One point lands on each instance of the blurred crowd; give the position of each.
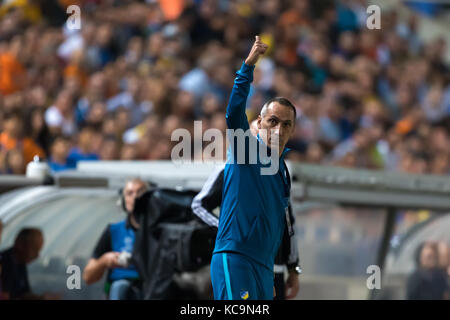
(137, 70)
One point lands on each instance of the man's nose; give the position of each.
(277, 129)
(275, 135)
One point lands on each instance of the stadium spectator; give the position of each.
(36, 128)
(60, 117)
(130, 100)
(443, 249)
(110, 148)
(347, 81)
(14, 260)
(13, 72)
(85, 149)
(58, 160)
(14, 162)
(427, 282)
(96, 114)
(93, 98)
(12, 137)
(122, 280)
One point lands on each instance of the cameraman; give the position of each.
(114, 249)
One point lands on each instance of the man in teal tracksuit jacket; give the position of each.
(254, 206)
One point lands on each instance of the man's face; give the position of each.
(28, 249)
(60, 148)
(277, 123)
(428, 258)
(86, 138)
(13, 126)
(35, 247)
(64, 102)
(443, 255)
(109, 150)
(133, 190)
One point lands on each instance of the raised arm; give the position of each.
(236, 117)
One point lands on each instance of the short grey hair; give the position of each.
(280, 100)
(137, 180)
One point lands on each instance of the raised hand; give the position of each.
(258, 50)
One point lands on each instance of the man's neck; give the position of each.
(280, 150)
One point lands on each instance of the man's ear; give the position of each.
(293, 128)
(259, 122)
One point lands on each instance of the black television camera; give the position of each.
(170, 240)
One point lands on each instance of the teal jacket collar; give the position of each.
(283, 154)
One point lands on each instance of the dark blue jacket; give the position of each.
(253, 211)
